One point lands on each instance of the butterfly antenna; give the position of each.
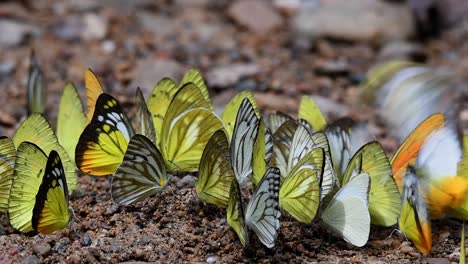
(398, 231)
(72, 211)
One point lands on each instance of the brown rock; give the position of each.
(356, 20)
(258, 16)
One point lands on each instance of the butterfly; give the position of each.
(294, 140)
(347, 213)
(39, 193)
(232, 108)
(93, 90)
(310, 112)
(37, 87)
(7, 166)
(243, 140)
(262, 152)
(434, 149)
(141, 174)
(102, 144)
(345, 137)
(164, 92)
(215, 172)
(384, 197)
(262, 212)
(412, 93)
(275, 120)
(414, 220)
(36, 129)
(187, 126)
(71, 119)
(300, 190)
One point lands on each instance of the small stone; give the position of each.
(94, 27)
(406, 249)
(225, 76)
(41, 248)
(437, 261)
(355, 20)
(31, 260)
(186, 182)
(86, 240)
(14, 32)
(258, 16)
(333, 68)
(74, 259)
(246, 85)
(396, 244)
(212, 259)
(6, 68)
(377, 244)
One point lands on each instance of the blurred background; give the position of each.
(279, 49)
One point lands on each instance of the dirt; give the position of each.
(174, 226)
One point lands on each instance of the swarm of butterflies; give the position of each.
(333, 174)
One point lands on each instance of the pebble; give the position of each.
(333, 68)
(41, 248)
(31, 260)
(406, 249)
(94, 27)
(86, 240)
(14, 32)
(377, 244)
(246, 85)
(437, 261)
(355, 20)
(257, 16)
(186, 182)
(228, 75)
(212, 259)
(6, 68)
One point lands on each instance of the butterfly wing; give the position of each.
(408, 151)
(243, 140)
(187, 138)
(275, 120)
(144, 121)
(384, 198)
(159, 101)
(235, 213)
(262, 213)
(300, 192)
(93, 90)
(71, 119)
(215, 172)
(7, 166)
(263, 150)
(194, 76)
(37, 88)
(282, 143)
(50, 211)
(310, 112)
(232, 108)
(36, 129)
(141, 174)
(29, 171)
(347, 214)
(414, 220)
(103, 143)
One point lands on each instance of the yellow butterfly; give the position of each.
(164, 92)
(37, 88)
(232, 108)
(39, 193)
(215, 173)
(36, 129)
(93, 90)
(384, 198)
(71, 119)
(414, 220)
(102, 145)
